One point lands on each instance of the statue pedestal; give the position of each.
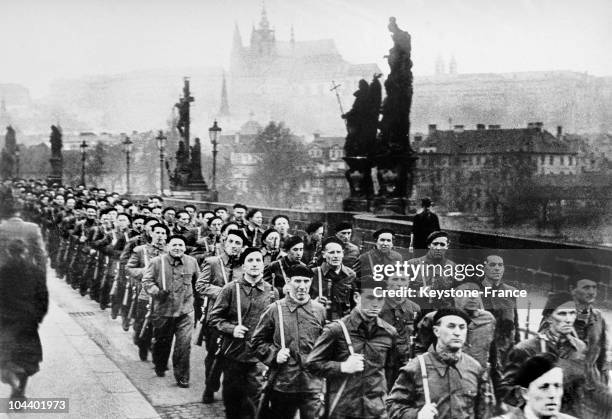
(56, 171)
(356, 205)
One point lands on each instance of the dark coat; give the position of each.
(24, 301)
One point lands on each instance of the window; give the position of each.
(551, 160)
(562, 159)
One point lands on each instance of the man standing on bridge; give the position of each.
(235, 314)
(168, 279)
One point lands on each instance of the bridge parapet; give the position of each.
(537, 264)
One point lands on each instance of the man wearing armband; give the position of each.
(354, 354)
(168, 279)
(444, 382)
(284, 348)
(235, 314)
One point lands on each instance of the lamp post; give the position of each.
(213, 133)
(127, 148)
(17, 161)
(161, 145)
(83, 148)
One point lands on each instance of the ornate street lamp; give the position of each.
(213, 133)
(83, 148)
(127, 148)
(161, 145)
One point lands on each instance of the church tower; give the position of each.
(262, 38)
(224, 108)
(236, 58)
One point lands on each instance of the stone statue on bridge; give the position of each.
(56, 141)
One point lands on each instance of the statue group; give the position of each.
(378, 135)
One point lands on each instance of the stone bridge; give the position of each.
(535, 264)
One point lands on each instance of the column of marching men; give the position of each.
(292, 323)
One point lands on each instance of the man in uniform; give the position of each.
(168, 279)
(401, 313)
(240, 211)
(541, 386)
(590, 326)
(558, 339)
(235, 314)
(280, 223)
(480, 330)
(436, 272)
(333, 282)
(291, 386)
(140, 304)
(312, 243)
(344, 231)
(506, 319)
(276, 272)
(456, 384)
(354, 354)
(383, 254)
(217, 271)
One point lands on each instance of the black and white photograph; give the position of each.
(291, 209)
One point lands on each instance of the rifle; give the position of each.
(147, 318)
(527, 319)
(133, 302)
(203, 321)
(115, 285)
(264, 398)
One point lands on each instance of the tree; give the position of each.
(278, 175)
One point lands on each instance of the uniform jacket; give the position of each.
(402, 317)
(596, 340)
(477, 344)
(364, 393)
(136, 264)
(337, 287)
(254, 299)
(366, 261)
(459, 391)
(303, 323)
(216, 272)
(178, 276)
(431, 278)
(351, 254)
(273, 274)
(571, 353)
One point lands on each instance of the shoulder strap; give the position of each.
(280, 263)
(281, 324)
(163, 271)
(542, 340)
(421, 359)
(370, 260)
(238, 304)
(320, 276)
(347, 337)
(223, 270)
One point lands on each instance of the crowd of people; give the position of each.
(296, 323)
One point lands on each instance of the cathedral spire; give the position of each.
(263, 23)
(237, 42)
(224, 108)
(292, 35)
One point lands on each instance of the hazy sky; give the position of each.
(42, 40)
